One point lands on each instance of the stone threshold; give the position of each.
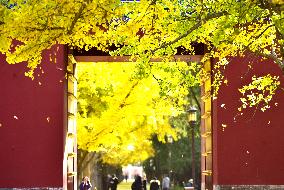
(34, 188)
(248, 187)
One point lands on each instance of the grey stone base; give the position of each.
(248, 187)
(34, 188)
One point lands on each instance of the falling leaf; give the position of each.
(48, 119)
(276, 104)
(226, 81)
(223, 106)
(223, 125)
(39, 83)
(15, 117)
(268, 122)
(59, 68)
(247, 152)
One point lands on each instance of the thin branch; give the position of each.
(77, 17)
(259, 35)
(127, 95)
(43, 29)
(197, 25)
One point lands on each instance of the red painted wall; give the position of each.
(32, 118)
(250, 150)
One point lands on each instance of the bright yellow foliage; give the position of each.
(119, 114)
(229, 26)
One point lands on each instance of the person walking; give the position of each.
(189, 183)
(154, 184)
(113, 182)
(85, 184)
(137, 184)
(144, 182)
(166, 183)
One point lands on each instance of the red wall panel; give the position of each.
(250, 149)
(31, 118)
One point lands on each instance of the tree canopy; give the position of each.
(119, 113)
(146, 29)
(151, 27)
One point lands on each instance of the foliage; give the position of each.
(119, 113)
(177, 153)
(178, 162)
(259, 91)
(165, 25)
(144, 29)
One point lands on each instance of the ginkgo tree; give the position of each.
(145, 29)
(119, 113)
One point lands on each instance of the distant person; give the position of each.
(154, 184)
(166, 183)
(137, 184)
(85, 184)
(126, 177)
(144, 182)
(189, 183)
(108, 179)
(113, 182)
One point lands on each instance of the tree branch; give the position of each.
(123, 103)
(197, 25)
(259, 35)
(85, 164)
(43, 29)
(77, 17)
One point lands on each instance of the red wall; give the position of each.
(31, 118)
(250, 150)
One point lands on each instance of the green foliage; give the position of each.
(172, 158)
